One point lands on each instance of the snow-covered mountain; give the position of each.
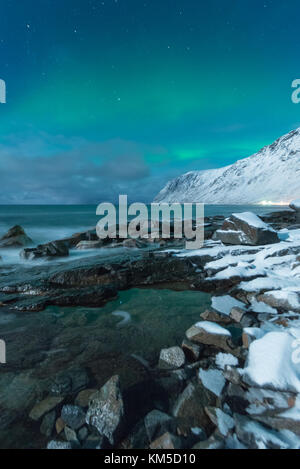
(272, 174)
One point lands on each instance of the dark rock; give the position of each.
(169, 388)
(48, 251)
(48, 424)
(167, 441)
(83, 433)
(189, 409)
(220, 419)
(83, 398)
(70, 381)
(157, 423)
(73, 416)
(215, 316)
(45, 406)
(191, 351)
(95, 442)
(59, 425)
(70, 434)
(15, 238)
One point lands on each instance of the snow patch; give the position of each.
(212, 328)
(224, 304)
(224, 359)
(213, 380)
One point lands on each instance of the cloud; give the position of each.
(55, 169)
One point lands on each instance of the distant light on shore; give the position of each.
(269, 202)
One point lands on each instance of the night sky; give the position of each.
(119, 96)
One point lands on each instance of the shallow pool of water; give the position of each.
(105, 341)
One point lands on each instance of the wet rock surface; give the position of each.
(15, 238)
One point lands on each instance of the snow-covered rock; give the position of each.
(246, 228)
(210, 333)
(272, 174)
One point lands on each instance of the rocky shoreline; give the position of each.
(234, 381)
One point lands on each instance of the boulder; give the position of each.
(209, 333)
(224, 422)
(191, 351)
(70, 435)
(59, 425)
(171, 358)
(106, 411)
(48, 423)
(15, 238)
(157, 422)
(70, 381)
(282, 300)
(83, 398)
(83, 433)
(45, 406)
(237, 314)
(246, 228)
(73, 416)
(189, 408)
(166, 441)
(48, 251)
(215, 316)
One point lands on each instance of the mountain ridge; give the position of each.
(271, 174)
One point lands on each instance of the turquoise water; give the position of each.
(40, 345)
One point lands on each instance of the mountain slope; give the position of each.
(272, 174)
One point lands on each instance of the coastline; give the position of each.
(241, 280)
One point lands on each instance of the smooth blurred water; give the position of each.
(44, 223)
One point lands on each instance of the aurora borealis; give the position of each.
(119, 96)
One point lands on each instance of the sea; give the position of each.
(44, 223)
